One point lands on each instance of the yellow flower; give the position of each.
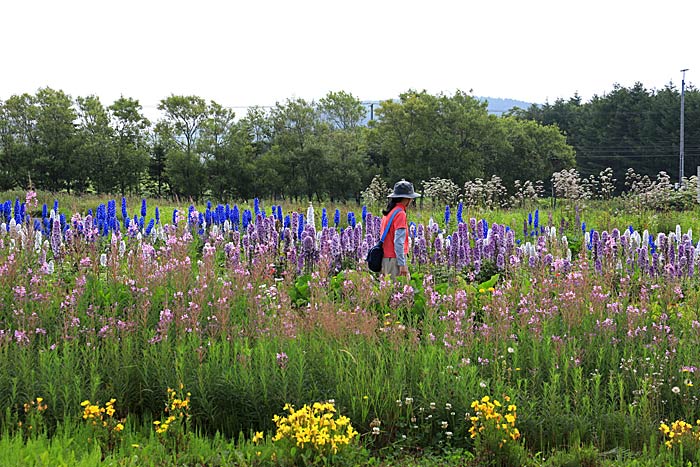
(258, 437)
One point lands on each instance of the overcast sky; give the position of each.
(258, 52)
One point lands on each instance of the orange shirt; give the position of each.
(399, 222)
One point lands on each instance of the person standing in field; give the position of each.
(396, 242)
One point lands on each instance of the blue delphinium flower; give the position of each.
(190, 210)
(143, 207)
(157, 215)
(8, 211)
(256, 203)
(324, 218)
(37, 225)
(124, 212)
(447, 216)
(529, 218)
(537, 218)
(583, 227)
(486, 227)
(44, 211)
(174, 216)
(55, 205)
(351, 219)
(336, 218)
(631, 229)
(18, 212)
(279, 213)
(246, 218)
(209, 205)
(460, 210)
(300, 228)
(111, 209)
(235, 216)
(149, 227)
(364, 214)
(287, 221)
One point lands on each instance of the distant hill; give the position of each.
(496, 106)
(499, 106)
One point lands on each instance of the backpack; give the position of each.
(376, 253)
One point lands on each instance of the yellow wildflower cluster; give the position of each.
(162, 426)
(680, 432)
(315, 427)
(177, 407)
(103, 416)
(38, 405)
(175, 404)
(33, 415)
(491, 416)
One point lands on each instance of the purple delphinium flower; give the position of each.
(282, 360)
(56, 237)
(500, 262)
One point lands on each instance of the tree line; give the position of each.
(627, 127)
(320, 149)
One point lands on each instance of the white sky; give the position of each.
(258, 52)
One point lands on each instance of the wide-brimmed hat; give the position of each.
(403, 189)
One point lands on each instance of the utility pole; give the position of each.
(682, 145)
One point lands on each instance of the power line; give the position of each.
(638, 156)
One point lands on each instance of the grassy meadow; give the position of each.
(547, 336)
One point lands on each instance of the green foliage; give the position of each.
(626, 127)
(296, 149)
(300, 293)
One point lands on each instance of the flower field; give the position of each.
(249, 335)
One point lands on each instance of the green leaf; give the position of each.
(489, 283)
